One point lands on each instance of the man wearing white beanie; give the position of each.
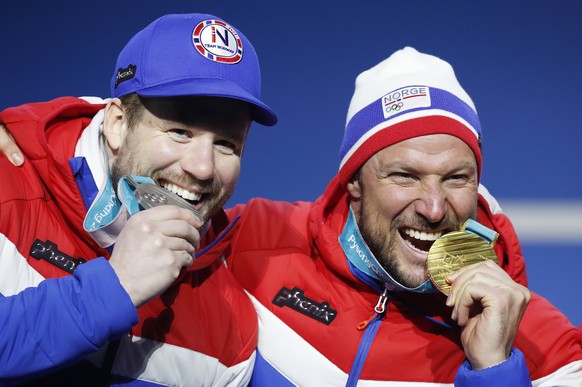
(341, 285)
(344, 288)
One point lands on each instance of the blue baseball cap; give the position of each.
(191, 55)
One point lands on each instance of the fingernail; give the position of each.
(16, 158)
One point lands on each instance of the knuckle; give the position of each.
(175, 211)
(146, 230)
(158, 242)
(185, 228)
(168, 260)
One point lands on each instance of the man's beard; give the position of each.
(382, 244)
(382, 241)
(126, 163)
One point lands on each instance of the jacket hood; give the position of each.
(47, 133)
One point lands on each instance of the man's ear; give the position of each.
(114, 125)
(354, 188)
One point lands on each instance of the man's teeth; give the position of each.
(423, 236)
(182, 192)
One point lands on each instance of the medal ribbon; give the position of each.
(109, 212)
(478, 229)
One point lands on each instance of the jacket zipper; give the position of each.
(370, 327)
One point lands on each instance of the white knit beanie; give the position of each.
(409, 94)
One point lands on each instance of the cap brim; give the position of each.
(214, 87)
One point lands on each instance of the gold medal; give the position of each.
(456, 250)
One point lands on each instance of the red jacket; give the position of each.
(310, 303)
(201, 331)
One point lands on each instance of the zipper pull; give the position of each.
(378, 310)
(381, 305)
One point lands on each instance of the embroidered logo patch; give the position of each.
(125, 74)
(50, 253)
(217, 41)
(404, 99)
(296, 300)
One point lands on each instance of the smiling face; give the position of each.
(410, 193)
(191, 146)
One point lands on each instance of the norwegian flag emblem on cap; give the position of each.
(217, 41)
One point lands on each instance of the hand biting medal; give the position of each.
(457, 249)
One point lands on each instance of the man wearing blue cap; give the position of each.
(95, 291)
